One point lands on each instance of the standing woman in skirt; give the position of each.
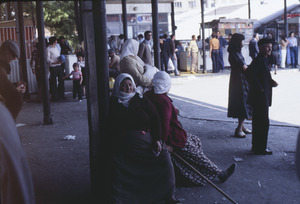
(238, 86)
(142, 171)
(186, 145)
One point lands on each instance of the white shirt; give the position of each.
(293, 41)
(52, 55)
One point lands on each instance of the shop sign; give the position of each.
(144, 18)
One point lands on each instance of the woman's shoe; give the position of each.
(239, 134)
(224, 175)
(247, 131)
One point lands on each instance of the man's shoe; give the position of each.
(192, 72)
(262, 152)
(224, 175)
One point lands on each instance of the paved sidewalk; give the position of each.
(60, 167)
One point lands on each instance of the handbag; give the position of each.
(170, 65)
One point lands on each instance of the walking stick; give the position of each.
(206, 179)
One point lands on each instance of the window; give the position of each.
(192, 4)
(178, 4)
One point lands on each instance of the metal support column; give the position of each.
(173, 18)
(47, 120)
(285, 19)
(95, 40)
(155, 33)
(78, 20)
(249, 9)
(124, 17)
(203, 35)
(22, 60)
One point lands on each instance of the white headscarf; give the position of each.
(131, 47)
(122, 96)
(161, 82)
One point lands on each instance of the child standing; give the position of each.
(81, 62)
(77, 81)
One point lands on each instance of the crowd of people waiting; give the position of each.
(150, 126)
(143, 166)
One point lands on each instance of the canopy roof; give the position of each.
(137, 1)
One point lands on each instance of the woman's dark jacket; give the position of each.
(140, 115)
(172, 131)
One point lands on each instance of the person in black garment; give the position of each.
(260, 96)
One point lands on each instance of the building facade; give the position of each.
(139, 19)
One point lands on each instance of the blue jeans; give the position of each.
(221, 61)
(215, 60)
(294, 56)
(175, 65)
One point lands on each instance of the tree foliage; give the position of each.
(59, 17)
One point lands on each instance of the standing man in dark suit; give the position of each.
(145, 49)
(253, 47)
(260, 96)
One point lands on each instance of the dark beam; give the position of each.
(203, 35)
(156, 47)
(173, 18)
(95, 38)
(22, 60)
(8, 17)
(124, 17)
(77, 20)
(47, 120)
(249, 9)
(285, 19)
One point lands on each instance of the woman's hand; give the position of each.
(157, 146)
(274, 84)
(169, 148)
(245, 67)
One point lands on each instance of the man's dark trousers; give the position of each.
(260, 128)
(57, 90)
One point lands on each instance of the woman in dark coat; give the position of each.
(238, 86)
(142, 171)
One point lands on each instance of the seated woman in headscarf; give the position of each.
(142, 171)
(186, 145)
(132, 64)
